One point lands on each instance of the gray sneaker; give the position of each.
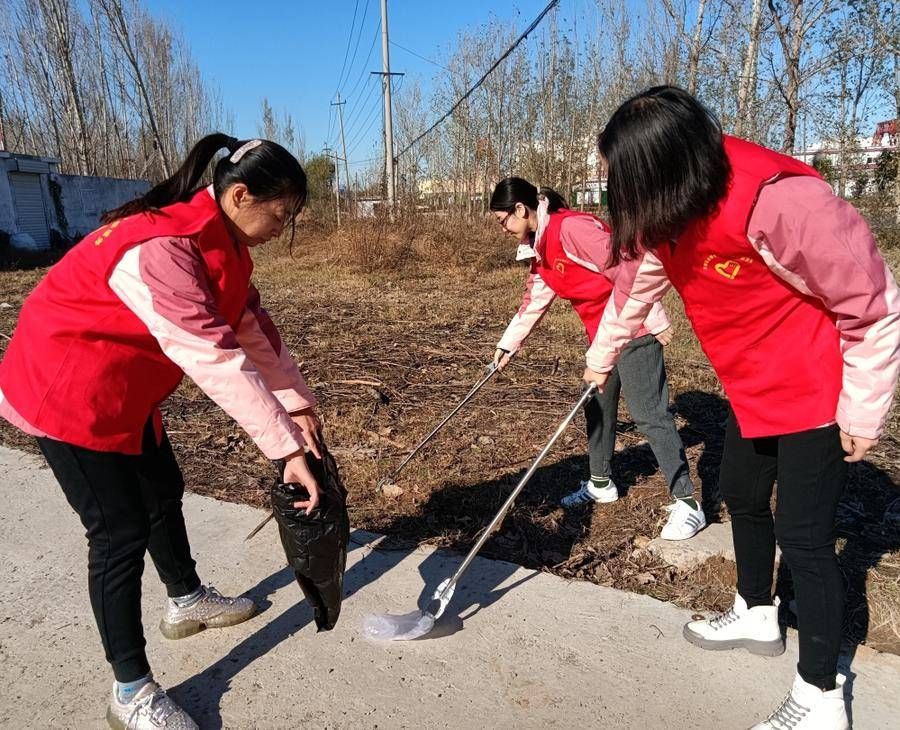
(211, 611)
(150, 709)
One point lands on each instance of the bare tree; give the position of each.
(115, 14)
(794, 21)
(748, 81)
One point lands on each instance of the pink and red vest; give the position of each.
(81, 367)
(587, 290)
(776, 350)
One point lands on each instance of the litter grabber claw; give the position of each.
(405, 627)
(490, 372)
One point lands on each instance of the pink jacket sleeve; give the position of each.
(164, 283)
(261, 341)
(638, 285)
(820, 245)
(537, 300)
(589, 245)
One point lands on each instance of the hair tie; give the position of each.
(243, 150)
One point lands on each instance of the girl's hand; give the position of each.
(856, 446)
(501, 358)
(297, 472)
(309, 424)
(591, 376)
(665, 337)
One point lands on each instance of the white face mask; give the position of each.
(525, 251)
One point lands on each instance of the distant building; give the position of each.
(40, 207)
(369, 206)
(864, 155)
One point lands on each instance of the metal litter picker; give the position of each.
(405, 627)
(492, 370)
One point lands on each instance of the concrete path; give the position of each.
(516, 649)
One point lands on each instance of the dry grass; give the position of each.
(392, 325)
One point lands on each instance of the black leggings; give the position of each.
(128, 505)
(811, 472)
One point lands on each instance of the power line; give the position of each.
(349, 41)
(356, 47)
(371, 119)
(330, 121)
(364, 129)
(358, 109)
(503, 57)
(417, 55)
(363, 74)
(361, 123)
(365, 162)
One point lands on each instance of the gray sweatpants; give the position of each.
(641, 376)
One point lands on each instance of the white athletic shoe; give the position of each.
(754, 629)
(587, 492)
(808, 708)
(150, 709)
(684, 521)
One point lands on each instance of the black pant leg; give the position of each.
(812, 474)
(103, 489)
(746, 478)
(162, 487)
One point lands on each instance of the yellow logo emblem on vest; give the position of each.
(104, 233)
(727, 268)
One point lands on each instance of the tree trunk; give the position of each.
(58, 13)
(694, 53)
(116, 15)
(747, 85)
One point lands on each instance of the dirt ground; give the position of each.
(392, 330)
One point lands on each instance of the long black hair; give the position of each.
(512, 190)
(268, 170)
(667, 167)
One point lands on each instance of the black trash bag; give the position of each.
(316, 544)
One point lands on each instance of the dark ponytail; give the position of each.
(512, 190)
(268, 170)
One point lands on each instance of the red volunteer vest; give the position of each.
(587, 290)
(81, 367)
(776, 350)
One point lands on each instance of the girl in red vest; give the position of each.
(161, 290)
(569, 252)
(799, 316)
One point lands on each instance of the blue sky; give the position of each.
(292, 53)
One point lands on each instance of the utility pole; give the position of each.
(337, 185)
(388, 119)
(340, 105)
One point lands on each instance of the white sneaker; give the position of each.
(809, 708)
(150, 709)
(684, 521)
(587, 492)
(754, 629)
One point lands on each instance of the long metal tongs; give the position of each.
(491, 371)
(412, 625)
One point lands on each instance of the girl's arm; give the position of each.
(259, 337)
(163, 281)
(638, 286)
(587, 243)
(537, 300)
(820, 245)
